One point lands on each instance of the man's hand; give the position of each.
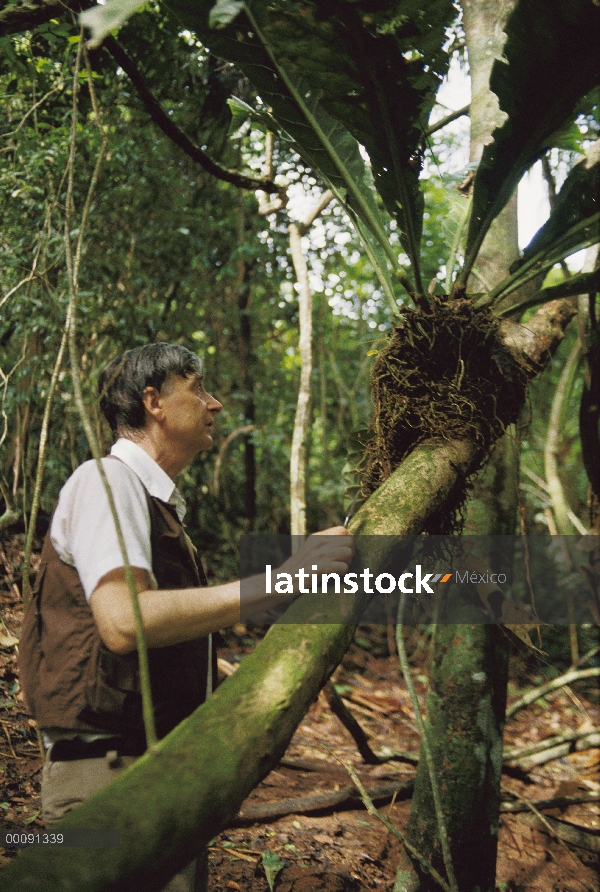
(331, 551)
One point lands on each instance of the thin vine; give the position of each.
(39, 474)
(73, 261)
(373, 810)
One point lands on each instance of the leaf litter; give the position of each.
(345, 850)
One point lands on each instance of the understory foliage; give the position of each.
(172, 254)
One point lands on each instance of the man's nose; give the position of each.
(214, 405)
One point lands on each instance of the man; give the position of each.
(78, 660)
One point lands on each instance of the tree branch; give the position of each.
(172, 131)
(534, 343)
(453, 116)
(347, 797)
(26, 15)
(582, 837)
(341, 711)
(570, 737)
(163, 807)
(558, 802)
(566, 679)
(325, 199)
(246, 429)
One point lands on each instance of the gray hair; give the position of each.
(122, 382)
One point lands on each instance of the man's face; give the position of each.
(190, 413)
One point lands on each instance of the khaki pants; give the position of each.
(65, 785)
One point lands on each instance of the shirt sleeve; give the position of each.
(83, 530)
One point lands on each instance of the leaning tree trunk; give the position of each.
(174, 799)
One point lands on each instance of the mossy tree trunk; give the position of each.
(465, 710)
(465, 717)
(469, 673)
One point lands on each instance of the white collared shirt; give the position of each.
(83, 531)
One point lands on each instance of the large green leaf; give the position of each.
(350, 177)
(574, 223)
(372, 66)
(359, 200)
(101, 20)
(550, 62)
(453, 230)
(378, 259)
(584, 283)
(577, 201)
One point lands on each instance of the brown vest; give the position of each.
(72, 680)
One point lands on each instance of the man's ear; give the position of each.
(152, 403)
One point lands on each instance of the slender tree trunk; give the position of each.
(564, 388)
(589, 411)
(302, 418)
(589, 415)
(560, 507)
(247, 381)
(243, 293)
(303, 405)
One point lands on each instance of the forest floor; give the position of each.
(314, 847)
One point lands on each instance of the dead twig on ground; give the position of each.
(392, 829)
(341, 711)
(523, 805)
(550, 749)
(563, 680)
(569, 737)
(545, 823)
(347, 797)
(583, 837)
(7, 735)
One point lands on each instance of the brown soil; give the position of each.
(346, 849)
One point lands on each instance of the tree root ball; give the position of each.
(444, 374)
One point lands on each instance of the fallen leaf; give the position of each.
(323, 838)
(522, 631)
(272, 864)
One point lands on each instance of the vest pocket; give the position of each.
(112, 694)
